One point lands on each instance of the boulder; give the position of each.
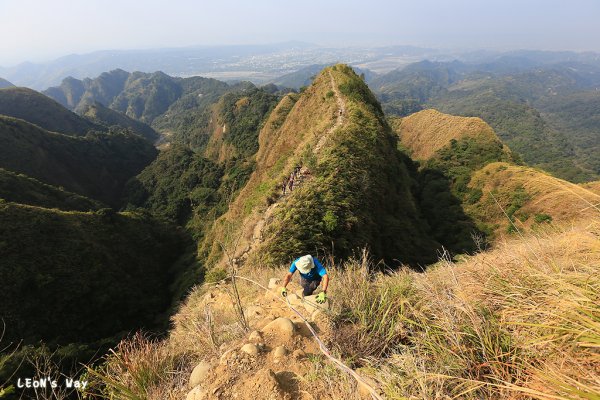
(274, 283)
(255, 337)
(281, 327)
(310, 304)
(226, 356)
(250, 349)
(199, 374)
(263, 322)
(254, 311)
(279, 351)
(294, 299)
(196, 393)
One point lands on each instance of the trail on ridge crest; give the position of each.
(257, 236)
(339, 117)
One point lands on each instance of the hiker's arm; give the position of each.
(287, 279)
(325, 282)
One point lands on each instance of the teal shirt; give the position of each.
(314, 274)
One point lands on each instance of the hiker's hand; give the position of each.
(283, 292)
(321, 298)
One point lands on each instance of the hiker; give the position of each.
(291, 182)
(311, 274)
(284, 184)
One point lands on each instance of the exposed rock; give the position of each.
(315, 314)
(310, 304)
(264, 385)
(226, 356)
(294, 299)
(270, 295)
(196, 393)
(254, 311)
(282, 327)
(250, 349)
(199, 374)
(208, 297)
(279, 351)
(255, 337)
(274, 282)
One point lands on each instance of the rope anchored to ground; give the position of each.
(337, 362)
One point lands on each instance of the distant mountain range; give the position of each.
(263, 63)
(174, 61)
(543, 107)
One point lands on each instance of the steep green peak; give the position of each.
(353, 87)
(351, 187)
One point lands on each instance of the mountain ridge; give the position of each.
(106, 117)
(5, 84)
(522, 104)
(34, 107)
(96, 166)
(290, 137)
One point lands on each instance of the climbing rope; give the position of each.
(322, 346)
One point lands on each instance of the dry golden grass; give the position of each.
(542, 194)
(425, 132)
(592, 186)
(520, 321)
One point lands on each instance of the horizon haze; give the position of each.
(43, 31)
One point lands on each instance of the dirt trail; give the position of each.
(341, 113)
(275, 360)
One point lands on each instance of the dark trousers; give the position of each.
(308, 287)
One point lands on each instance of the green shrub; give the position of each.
(330, 221)
(215, 275)
(542, 218)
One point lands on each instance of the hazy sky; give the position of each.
(36, 30)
